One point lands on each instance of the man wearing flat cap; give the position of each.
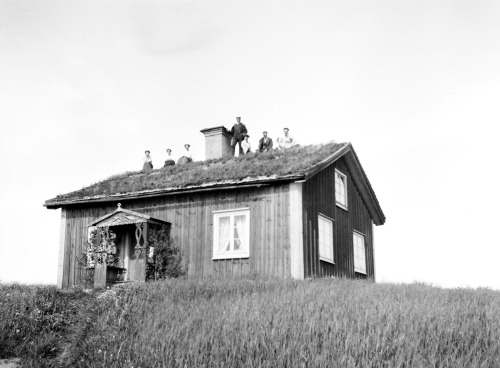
(265, 143)
(238, 131)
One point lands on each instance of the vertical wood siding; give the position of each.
(191, 216)
(319, 197)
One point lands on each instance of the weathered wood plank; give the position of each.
(257, 228)
(272, 238)
(263, 235)
(207, 238)
(215, 269)
(62, 248)
(245, 267)
(294, 246)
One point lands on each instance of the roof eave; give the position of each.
(365, 188)
(50, 204)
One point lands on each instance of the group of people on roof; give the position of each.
(185, 157)
(240, 138)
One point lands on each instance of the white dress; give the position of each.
(245, 145)
(286, 142)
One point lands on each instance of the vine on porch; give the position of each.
(163, 257)
(93, 252)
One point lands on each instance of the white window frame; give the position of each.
(338, 201)
(231, 254)
(322, 242)
(359, 252)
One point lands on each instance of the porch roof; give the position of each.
(122, 216)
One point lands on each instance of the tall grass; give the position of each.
(283, 323)
(35, 321)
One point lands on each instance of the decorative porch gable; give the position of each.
(122, 216)
(133, 257)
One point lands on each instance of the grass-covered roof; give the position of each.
(293, 163)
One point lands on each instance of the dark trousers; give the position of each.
(236, 141)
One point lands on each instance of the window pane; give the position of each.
(237, 244)
(231, 234)
(224, 234)
(325, 238)
(340, 189)
(359, 253)
(239, 232)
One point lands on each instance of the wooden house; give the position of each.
(303, 212)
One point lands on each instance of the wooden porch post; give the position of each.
(100, 271)
(63, 266)
(138, 265)
(144, 251)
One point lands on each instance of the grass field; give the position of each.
(256, 322)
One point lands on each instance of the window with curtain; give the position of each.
(359, 253)
(232, 234)
(325, 238)
(341, 189)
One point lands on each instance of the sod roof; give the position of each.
(296, 163)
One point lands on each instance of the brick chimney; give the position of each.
(217, 142)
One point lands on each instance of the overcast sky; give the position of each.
(87, 86)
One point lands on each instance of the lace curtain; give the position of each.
(224, 234)
(239, 233)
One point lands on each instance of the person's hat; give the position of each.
(187, 144)
(147, 151)
(286, 128)
(246, 135)
(168, 149)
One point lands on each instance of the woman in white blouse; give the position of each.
(245, 144)
(148, 162)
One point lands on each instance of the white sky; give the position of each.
(87, 86)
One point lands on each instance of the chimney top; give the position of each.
(217, 142)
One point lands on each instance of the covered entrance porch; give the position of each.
(122, 246)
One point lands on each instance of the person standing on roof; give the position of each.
(148, 162)
(170, 159)
(238, 131)
(265, 143)
(286, 141)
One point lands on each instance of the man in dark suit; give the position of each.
(265, 143)
(238, 131)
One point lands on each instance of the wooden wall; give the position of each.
(192, 229)
(319, 197)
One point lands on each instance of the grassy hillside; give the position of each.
(252, 323)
